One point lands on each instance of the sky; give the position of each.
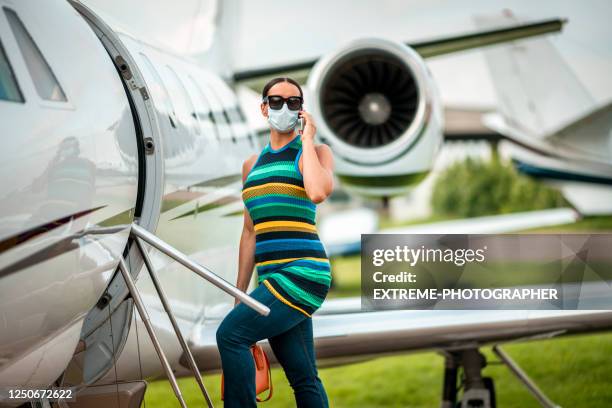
(268, 32)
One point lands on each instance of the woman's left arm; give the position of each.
(317, 164)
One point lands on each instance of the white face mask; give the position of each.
(283, 120)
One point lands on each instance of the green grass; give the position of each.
(572, 371)
(346, 278)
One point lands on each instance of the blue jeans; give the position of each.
(289, 333)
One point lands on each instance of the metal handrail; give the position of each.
(204, 272)
(146, 320)
(164, 300)
(140, 234)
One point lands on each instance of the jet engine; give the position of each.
(378, 108)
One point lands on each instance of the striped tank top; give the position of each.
(290, 259)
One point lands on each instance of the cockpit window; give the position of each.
(44, 80)
(9, 89)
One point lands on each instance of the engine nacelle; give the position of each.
(377, 106)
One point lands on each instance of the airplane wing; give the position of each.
(426, 49)
(345, 334)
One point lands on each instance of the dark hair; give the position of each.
(275, 81)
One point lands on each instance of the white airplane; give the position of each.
(559, 133)
(102, 129)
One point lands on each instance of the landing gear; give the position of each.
(524, 378)
(478, 391)
(449, 387)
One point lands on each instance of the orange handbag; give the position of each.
(263, 376)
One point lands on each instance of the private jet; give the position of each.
(114, 143)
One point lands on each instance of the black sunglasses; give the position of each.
(276, 102)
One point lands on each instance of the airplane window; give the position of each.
(186, 102)
(229, 122)
(219, 118)
(159, 91)
(234, 115)
(243, 121)
(240, 127)
(228, 118)
(241, 114)
(204, 112)
(44, 80)
(9, 89)
(222, 118)
(194, 113)
(204, 105)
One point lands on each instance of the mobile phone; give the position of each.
(300, 124)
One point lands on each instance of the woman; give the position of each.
(281, 187)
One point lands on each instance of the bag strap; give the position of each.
(269, 379)
(222, 387)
